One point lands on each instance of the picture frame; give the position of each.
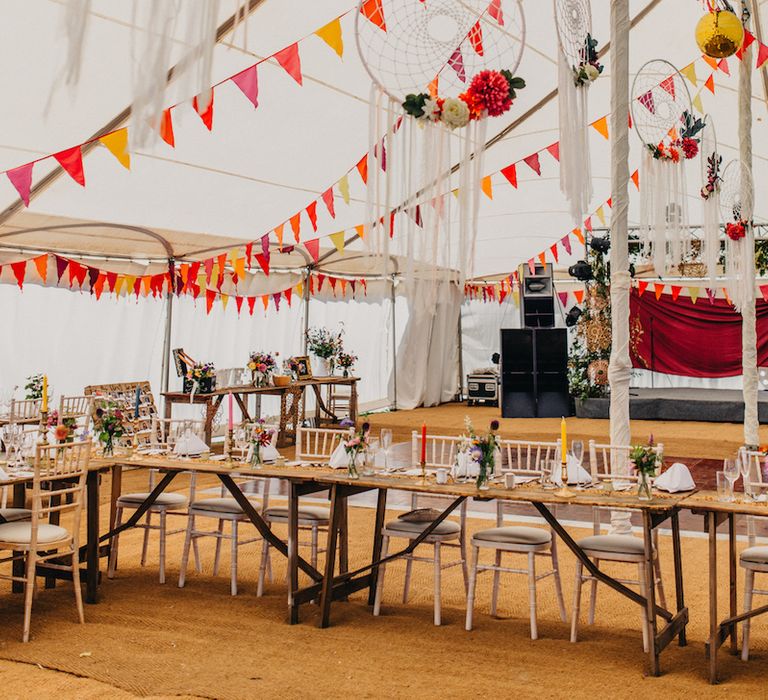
(305, 367)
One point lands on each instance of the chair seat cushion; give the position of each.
(447, 527)
(514, 535)
(756, 555)
(222, 505)
(616, 544)
(420, 515)
(305, 512)
(21, 533)
(14, 514)
(164, 499)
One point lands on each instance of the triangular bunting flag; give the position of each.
(251, 304)
(577, 232)
(362, 168)
(287, 294)
(495, 11)
(764, 292)
(276, 298)
(344, 189)
(373, 11)
(72, 161)
(659, 290)
(338, 240)
(601, 127)
(360, 230)
(265, 301)
(554, 150)
(762, 56)
(279, 234)
(296, 225)
(21, 179)
(668, 84)
(711, 62)
(532, 161)
(486, 187)
(98, 288)
(476, 38)
(579, 295)
(327, 198)
(263, 262)
(117, 144)
(543, 258)
(313, 248)
(675, 291)
(642, 285)
(553, 250)
(723, 66)
(119, 282)
(210, 295)
(248, 82)
(532, 266)
(709, 83)
(588, 223)
(563, 296)
(635, 177)
(203, 105)
(239, 304)
(510, 172)
(600, 214)
(41, 263)
(166, 128)
(289, 59)
(312, 214)
(646, 99)
(19, 272)
(224, 301)
(331, 35)
(456, 61)
(690, 73)
(111, 280)
(565, 241)
(696, 102)
(711, 295)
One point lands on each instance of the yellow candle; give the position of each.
(563, 441)
(45, 393)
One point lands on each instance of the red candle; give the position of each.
(423, 443)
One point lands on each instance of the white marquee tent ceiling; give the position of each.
(258, 167)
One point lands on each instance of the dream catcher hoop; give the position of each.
(438, 69)
(711, 171)
(578, 67)
(662, 118)
(736, 206)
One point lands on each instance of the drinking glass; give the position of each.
(724, 488)
(744, 463)
(577, 450)
(386, 443)
(550, 470)
(731, 471)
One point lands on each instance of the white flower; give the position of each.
(592, 72)
(455, 113)
(431, 110)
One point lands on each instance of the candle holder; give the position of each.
(43, 430)
(564, 491)
(423, 472)
(228, 446)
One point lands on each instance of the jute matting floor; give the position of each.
(149, 640)
(680, 438)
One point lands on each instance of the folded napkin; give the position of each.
(269, 453)
(4, 475)
(339, 458)
(576, 473)
(676, 478)
(190, 444)
(464, 467)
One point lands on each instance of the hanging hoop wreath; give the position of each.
(577, 45)
(711, 169)
(736, 207)
(449, 61)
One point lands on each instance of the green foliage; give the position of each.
(34, 387)
(414, 104)
(515, 83)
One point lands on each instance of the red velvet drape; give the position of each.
(691, 340)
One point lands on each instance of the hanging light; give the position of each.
(719, 34)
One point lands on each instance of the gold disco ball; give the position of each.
(719, 34)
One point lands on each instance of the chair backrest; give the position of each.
(25, 410)
(241, 435)
(20, 440)
(441, 450)
(754, 483)
(166, 432)
(604, 457)
(58, 484)
(77, 408)
(525, 457)
(318, 444)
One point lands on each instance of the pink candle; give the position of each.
(423, 443)
(231, 414)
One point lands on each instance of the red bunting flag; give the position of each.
(578, 295)
(248, 82)
(289, 59)
(762, 56)
(111, 280)
(239, 304)
(642, 285)
(98, 288)
(287, 294)
(709, 83)
(327, 198)
(646, 99)
(362, 168)
(510, 172)
(296, 225)
(668, 84)
(276, 298)
(71, 160)
(532, 161)
(19, 272)
(203, 105)
(635, 177)
(312, 214)
(764, 292)
(21, 179)
(374, 12)
(456, 61)
(251, 304)
(675, 291)
(495, 11)
(210, 296)
(313, 248)
(166, 128)
(476, 38)
(554, 150)
(263, 262)
(553, 249)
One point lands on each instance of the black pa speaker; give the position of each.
(537, 299)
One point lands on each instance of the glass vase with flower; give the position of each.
(108, 425)
(355, 446)
(646, 460)
(346, 361)
(260, 437)
(482, 450)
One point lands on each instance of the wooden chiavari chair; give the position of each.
(77, 408)
(25, 410)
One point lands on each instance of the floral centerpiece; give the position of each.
(346, 361)
(262, 366)
(482, 449)
(108, 424)
(685, 146)
(646, 461)
(325, 346)
(64, 430)
(260, 437)
(354, 445)
(490, 94)
(589, 68)
(201, 378)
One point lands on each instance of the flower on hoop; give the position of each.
(686, 145)
(589, 68)
(736, 230)
(713, 176)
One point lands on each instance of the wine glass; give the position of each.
(744, 463)
(577, 450)
(731, 471)
(551, 468)
(386, 443)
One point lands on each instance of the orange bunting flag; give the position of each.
(117, 144)
(296, 225)
(289, 59)
(659, 290)
(510, 172)
(360, 230)
(601, 127)
(577, 232)
(41, 263)
(203, 105)
(487, 186)
(578, 295)
(711, 62)
(709, 83)
(210, 295)
(373, 11)
(635, 177)
(71, 160)
(166, 128)
(279, 234)
(543, 258)
(433, 87)
(362, 168)
(239, 267)
(265, 301)
(331, 35)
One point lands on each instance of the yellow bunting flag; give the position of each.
(487, 186)
(344, 189)
(331, 35)
(693, 293)
(224, 301)
(601, 127)
(600, 215)
(690, 73)
(119, 282)
(233, 256)
(130, 283)
(117, 145)
(455, 193)
(300, 289)
(516, 296)
(360, 230)
(338, 240)
(696, 102)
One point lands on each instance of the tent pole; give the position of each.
(394, 348)
(748, 313)
(461, 356)
(307, 273)
(619, 367)
(166, 366)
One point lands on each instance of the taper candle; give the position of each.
(45, 393)
(563, 442)
(231, 414)
(423, 443)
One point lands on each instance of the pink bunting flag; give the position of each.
(313, 248)
(248, 82)
(646, 99)
(476, 38)
(668, 84)
(532, 266)
(495, 11)
(289, 59)
(532, 161)
(327, 198)
(71, 160)
(276, 298)
(554, 150)
(711, 295)
(456, 61)
(565, 241)
(21, 179)
(563, 296)
(264, 246)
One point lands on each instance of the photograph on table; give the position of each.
(303, 367)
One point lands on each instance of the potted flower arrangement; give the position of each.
(325, 346)
(64, 431)
(262, 366)
(646, 461)
(354, 445)
(260, 437)
(482, 449)
(346, 361)
(200, 378)
(108, 424)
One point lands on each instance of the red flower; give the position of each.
(474, 103)
(690, 147)
(490, 89)
(674, 154)
(735, 231)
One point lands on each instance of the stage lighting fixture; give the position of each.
(600, 245)
(572, 317)
(582, 271)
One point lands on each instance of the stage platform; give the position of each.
(705, 405)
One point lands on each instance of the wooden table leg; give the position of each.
(353, 402)
(733, 579)
(344, 538)
(713, 624)
(326, 595)
(167, 407)
(92, 545)
(116, 488)
(293, 553)
(381, 507)
(17, 568)
(678, 562)
(650, 595)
